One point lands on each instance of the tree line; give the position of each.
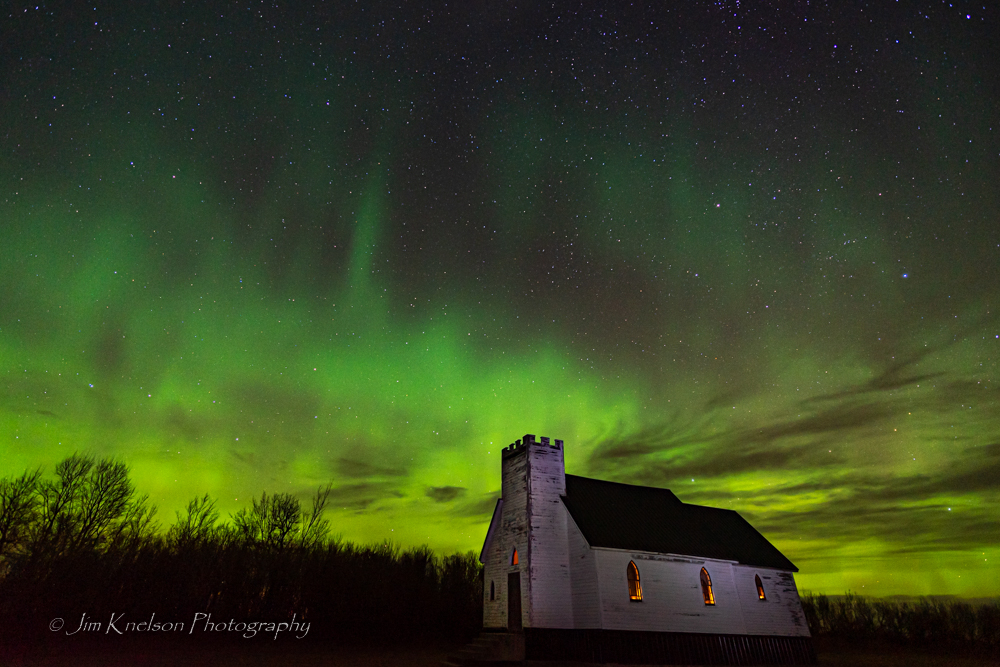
(950, 626)
(86, 542)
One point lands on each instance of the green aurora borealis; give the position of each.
(749, 255)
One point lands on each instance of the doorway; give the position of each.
(514, 602)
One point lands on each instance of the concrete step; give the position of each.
(489, 648)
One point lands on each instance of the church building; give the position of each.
(583, 569)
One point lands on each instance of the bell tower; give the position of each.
(533, 523)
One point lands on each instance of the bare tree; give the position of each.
(59, 501)
(106, 496)
(286, 514)
(315, 528)
(135, 528)
(89, 505)
(270, 522)
(198, 526)
(277, 521)
(18, 509)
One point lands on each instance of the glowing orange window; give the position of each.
(760, 587)
(706, 587)
(634, 588)
(513, 558)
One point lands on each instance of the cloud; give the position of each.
(847, 476)
(834, 420)
(354, 469)
(443, 494)
(898, 528)
(278, 405)
(661, 454)
(480, 506)
(360, 496)
(178, 424)
(952, 510)
(900, 371)
(817, 432)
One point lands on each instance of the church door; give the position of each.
(514, 602)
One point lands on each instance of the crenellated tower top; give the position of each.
(521, 445)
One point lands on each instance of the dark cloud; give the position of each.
(355, 469)
(817, 432)
(949, 509)
(968, 393)
(662, 454)
(832, 421)
(279, 406)
(180, 424)
(901, 369)
(926, 528)
(897, 375)
(360, 496)
(248, 458)
(990, 451)
(621, 447)
(110, 354)
(270, 471)
(479, 506)
(442, 494)
(719, 462)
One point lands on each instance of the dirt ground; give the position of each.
(260, 654)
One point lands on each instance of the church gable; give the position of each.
(493, 529)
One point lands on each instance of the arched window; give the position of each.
(513, 558)
(706, 587)
(493, 592)
(634, 589)
(760, 587)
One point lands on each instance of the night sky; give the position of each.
(747, 252)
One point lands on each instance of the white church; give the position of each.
(583, 569)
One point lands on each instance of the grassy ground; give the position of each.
(317, 654)
(898, 659)
(838, 653)
(258, 654)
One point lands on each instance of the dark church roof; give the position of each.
(642, 518)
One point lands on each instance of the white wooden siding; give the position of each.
(780, 613)
(671, 594)
(583, 577)
(494, 611)
(550, 598)
(513, 534)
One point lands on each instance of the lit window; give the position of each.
(493, 592)
(513, 558)
(634, 589)
(760, 587)
(706, 587)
